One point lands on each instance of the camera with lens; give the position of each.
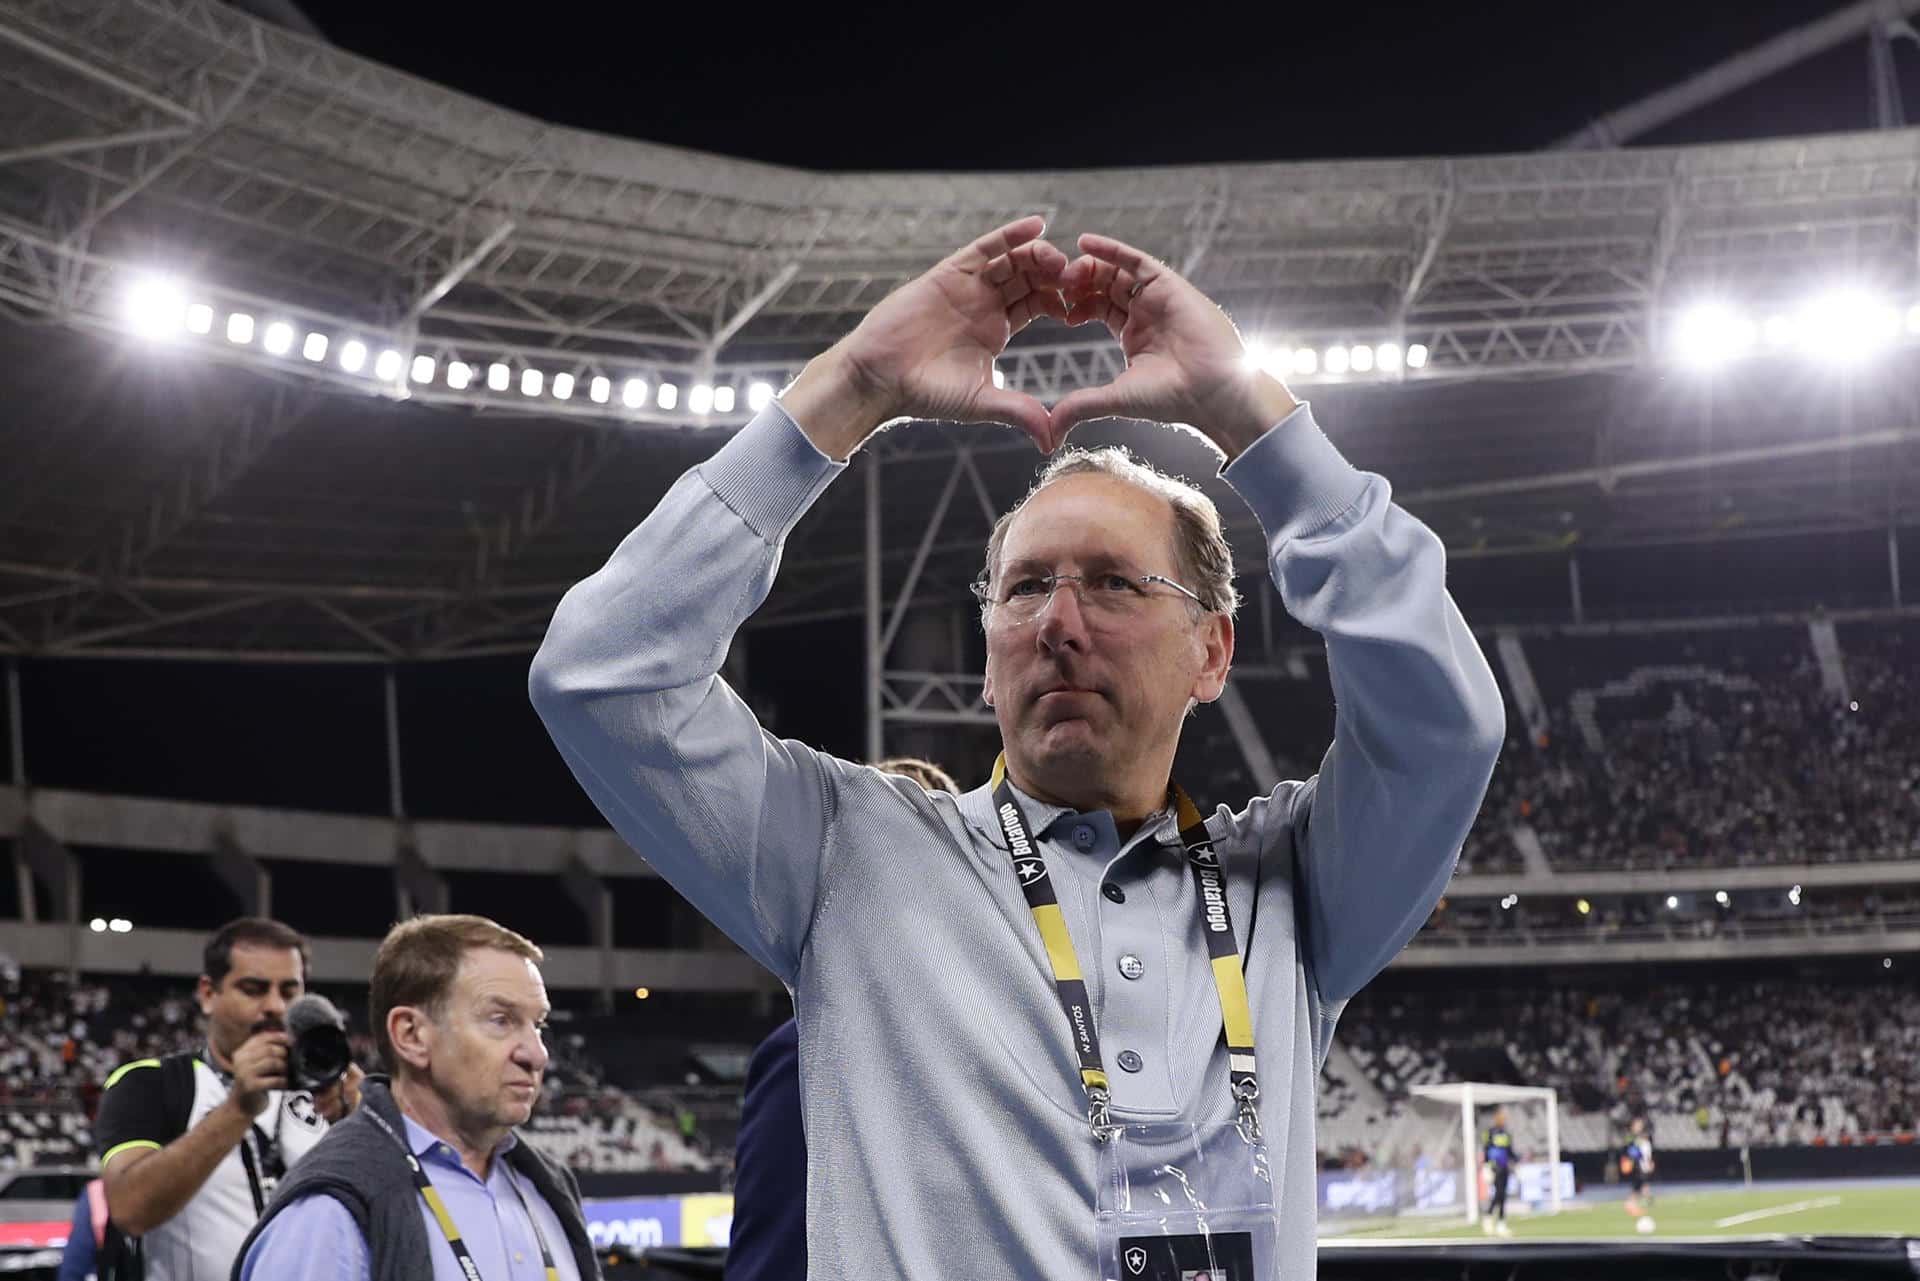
(318, 1053)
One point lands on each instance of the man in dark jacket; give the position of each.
(428, 1179)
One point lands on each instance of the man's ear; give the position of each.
(411, 1032)
(203, 994)
(1215, 637)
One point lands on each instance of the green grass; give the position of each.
(1795, 1210)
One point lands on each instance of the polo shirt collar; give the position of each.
(428, 1146)
(977, 807)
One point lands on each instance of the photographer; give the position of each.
(193, 1144)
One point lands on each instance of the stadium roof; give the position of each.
(209, 496)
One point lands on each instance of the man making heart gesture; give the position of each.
(1003, 995)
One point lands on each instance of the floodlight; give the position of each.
(423, 367)
(723, 399)
(1336, 360)
(599, 390)
(1711, 334)
(120, 925)
(459, 374)
(1779, 331)
(759, 396)
(1387, 356)
(563, 386)
(1254, 356)
(353, 356)
(1847, 326)
(240, 328)
(1913, 319)
(156, 308)
(1721, 897)
(200, 318)
(634, 394)
(1361, 358)
(700, 398)
(1279, 362)
(1673, 901)
(278, 338)
(99, 925)
(1583, 907)
(498, 377)
(1417, 356)
(1306, 361)
(387, 367)
(669, 395)
(315, 347)
(531, 381)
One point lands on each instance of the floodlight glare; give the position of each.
(599, 390)
(279, 338)
(1279, 363)
(1711, 334)
(99, 925)
(459, 374)
(240, 328)
(1361, 358)
(353, 356)
(723, 398)
(1721, 897)
(634, 394)
(531, 381)
(669, 395)
(156, 308)
(1254, 356)
(1847, 326)
(423, 367)
(563, 386)
(1336, 360)
(1387, 356)
(315, 347)
(1913, 319)
(1306, 361)
(498, 376)
(1417, 356)
(200, 318)
(759, 396)
(1673, 901)
(387, 367)
(1778, 331)
(700, 398)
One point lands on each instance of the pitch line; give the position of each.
(1818, 1203)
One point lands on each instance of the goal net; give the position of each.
(1436, 1149)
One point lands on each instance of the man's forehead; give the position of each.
(1087, 515)
(492, 972)
(258, 961)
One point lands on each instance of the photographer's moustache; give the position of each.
(268, 1024)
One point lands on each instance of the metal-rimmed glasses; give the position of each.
(1023, 597)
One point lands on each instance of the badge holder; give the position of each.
(1181, 1202)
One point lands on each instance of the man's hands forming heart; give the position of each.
(927, 350)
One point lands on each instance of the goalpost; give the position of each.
(1440, 1150)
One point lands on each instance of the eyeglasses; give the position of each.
(1021, 599)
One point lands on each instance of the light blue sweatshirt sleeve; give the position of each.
(314, 1239)
(1418, 721)
(627, 682)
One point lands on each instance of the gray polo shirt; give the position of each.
(945, 1120)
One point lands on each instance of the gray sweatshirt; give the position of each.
(945, 1120)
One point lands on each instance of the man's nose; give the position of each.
(1063, 620)
(532, 1054)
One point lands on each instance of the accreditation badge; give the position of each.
(1182, 1202)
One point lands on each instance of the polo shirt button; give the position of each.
(1130, 1062)
(1132, 966)
(519, 1257)
(1083, 837)
(1114, 892)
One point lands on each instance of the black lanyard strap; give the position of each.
(1216, 921)
(441, 1216)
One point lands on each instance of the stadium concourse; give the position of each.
(321, 382)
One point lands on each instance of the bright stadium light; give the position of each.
(423, 367)
(1712, 334)
(1336, 360)
(1847, 326)
(98, 925)
(315, 347)
(459, 374)
(634, 394)
(642, 993)
(387, 367)
(200, 318)
(1721, 897)
(563, 386)
(156, 307)
(600, 389)
(1417, 356)
(1254, 356)
(1583, 907)
(700, 398)
(1279, 363)
(1793, 896)
(531, 381)
(1387, 356)
(723, 399)
(279, 338)
(669, 395)
(1913, 319)
(759, 396)
(1361, 358)
(1779, 332)
(1673, 902)
(240, 328)
(1306, 361)
(353, 356)
(120, 925)
(498, 377)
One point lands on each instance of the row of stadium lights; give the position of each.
(159, 310)
(1340, 358)
(1584, 907)
(1839, 328)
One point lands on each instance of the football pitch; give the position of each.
(1849, 1209)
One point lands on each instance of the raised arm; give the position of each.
(627, 679)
